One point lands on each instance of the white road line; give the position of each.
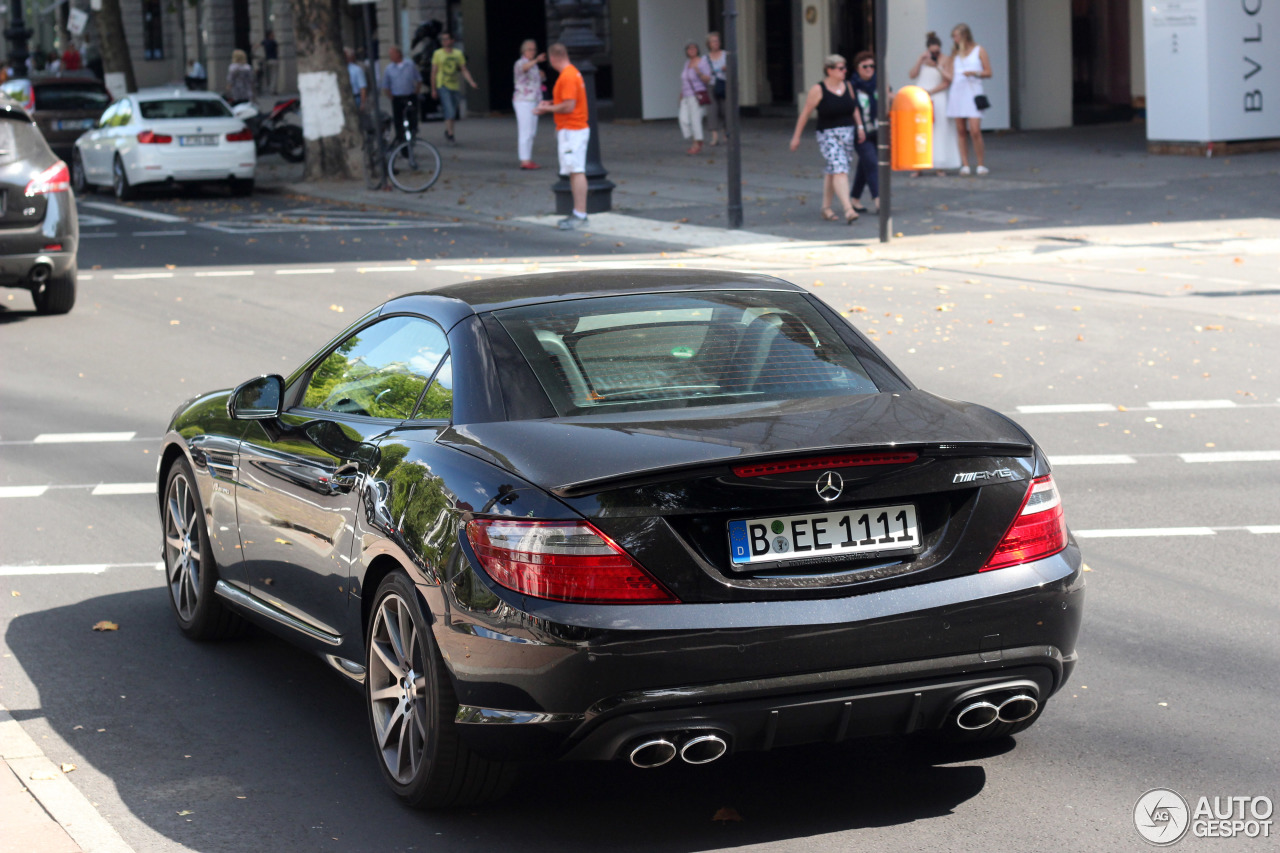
(89, 235)
(1179, 275)
(1192, 404)
(1065, 408)
(1233, 456)
(138, 275)
(82, 569)
(223, 273)
(124, 489)
(1123, 532)
(1228, 281)
(316, 271)
(133, 211)
(81, 437)
(159, 234)
(1100, 459)
(22, 491)
(1263, 528)
(387, 269)
(82, 277)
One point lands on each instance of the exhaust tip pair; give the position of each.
(655, 752)
(982, 713)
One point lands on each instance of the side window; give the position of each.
(123, 114)
(109, 115)
(380, 371)
(438, 402)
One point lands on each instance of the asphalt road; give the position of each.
(1162, 415)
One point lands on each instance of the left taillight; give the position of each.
(243, 135)
(563, 561)
(1039, 531)
(55, 179)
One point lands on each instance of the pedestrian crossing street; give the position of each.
(1265, 523)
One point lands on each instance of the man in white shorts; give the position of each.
(569, 107)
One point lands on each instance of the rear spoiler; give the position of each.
(934, 450)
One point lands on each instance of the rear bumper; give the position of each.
(15, 270)
(768, 674)
(236, 160)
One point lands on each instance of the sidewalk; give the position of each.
(1087, 178)
(40, 809)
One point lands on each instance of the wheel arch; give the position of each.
(171, 453)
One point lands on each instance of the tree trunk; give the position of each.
(114, 46)
(329, 123)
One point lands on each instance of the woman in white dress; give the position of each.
(933, 74)
(524, 97)
(969, 67)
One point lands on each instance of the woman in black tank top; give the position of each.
(840, 122)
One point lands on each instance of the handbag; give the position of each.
(703, 98)
(720, 89)
(981, 102)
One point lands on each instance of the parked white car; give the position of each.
(165, 136)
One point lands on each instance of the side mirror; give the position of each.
(258, 399)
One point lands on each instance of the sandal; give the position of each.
(829, 215)
(850, 216)
(859, 208)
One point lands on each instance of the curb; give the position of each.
(67, 808)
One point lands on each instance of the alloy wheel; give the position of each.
(398, 688)
(183, 547)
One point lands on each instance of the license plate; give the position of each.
(73, 124)
(198, 140)
(877, 530)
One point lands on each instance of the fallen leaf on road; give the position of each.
(973, 281)
(67, 767)
(15, 593)
(726, 815)
(1122, 408)
(43, 776)
(337, 308)
(171, 266)
(185, 812)
(175, 322)
(104, 625)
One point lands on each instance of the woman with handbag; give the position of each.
(965, 100)
(694, 97)
(840, 128)
(714, 64)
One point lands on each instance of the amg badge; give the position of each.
(972, 476)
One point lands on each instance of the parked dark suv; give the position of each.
(63, 106)
(39, 232)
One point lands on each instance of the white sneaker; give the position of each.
(982, 170)
(964, 170)
(572, 223)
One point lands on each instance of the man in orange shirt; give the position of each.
(569, 106)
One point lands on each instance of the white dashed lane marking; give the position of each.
(1099, 459)
(99, 490)
(82, 569)
(80, 437)
(1233, 456)
(132, 211)
(1143, 532)
(22, 491)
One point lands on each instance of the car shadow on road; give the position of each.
(222, 746)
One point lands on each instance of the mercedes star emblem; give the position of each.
(830, 485)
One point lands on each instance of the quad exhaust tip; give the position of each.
(704, 749)
(983, 712)
(653, 753)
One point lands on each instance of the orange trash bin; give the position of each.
(911, 123)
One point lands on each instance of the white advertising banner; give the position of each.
(76, 19)
(1212, 70)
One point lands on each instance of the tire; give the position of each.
(412, 707)
(292, 146)
(57, 295)
(414, 166)
(189, 567)
(240, 188)
(79, 180)
(120, 181)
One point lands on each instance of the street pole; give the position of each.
(732, 128)
(371, 53)
(884, 135)
(17, 34)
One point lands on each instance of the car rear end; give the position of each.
(63, 107)
(769, 537)
(186, 137)
(39, 232)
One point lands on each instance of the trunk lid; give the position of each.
(663, 485)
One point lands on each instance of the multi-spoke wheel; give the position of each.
(188, 561)
(412, 709)
(414, 166)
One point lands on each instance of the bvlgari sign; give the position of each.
(1212, 69)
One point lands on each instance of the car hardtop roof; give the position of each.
(510, 291)
(169, 93)
(59, 77)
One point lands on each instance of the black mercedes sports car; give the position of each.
(642, 516)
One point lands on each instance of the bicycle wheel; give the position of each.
(414, 166)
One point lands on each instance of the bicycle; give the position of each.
(413, 165)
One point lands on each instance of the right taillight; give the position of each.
(563, 561)
(1039, 531)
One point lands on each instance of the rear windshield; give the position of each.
(19, 140)
(664, 351)
(185, 108)
(64, 96)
